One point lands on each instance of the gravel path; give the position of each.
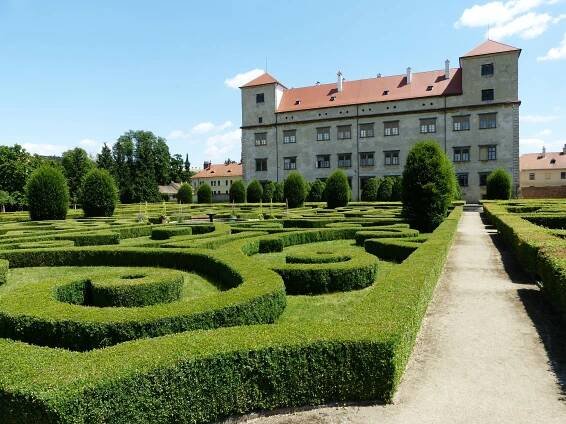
(489, 350)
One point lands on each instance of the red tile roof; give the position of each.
(220, 170)
(550, 160)
(263, 79)
(371, 90)
(491, 47)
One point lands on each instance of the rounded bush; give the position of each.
(428, 186)
(185, 194)
(254, 191)
(397, 189)
(499, 185)
(385, 190)
(337, 190)
(99, 193)
(268, 192)
(238, 192)
(317, 191)
(369, 190)
(47, 194)
(294, 190)
(204, 194)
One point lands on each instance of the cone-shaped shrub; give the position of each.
(99, 193)
(385, 189)
(316, 191)
(369, 190)
(268, 192)
(294, 189)
(185, 194)
(47, 194)
(254, 191)
(337, 190)
(498, 185)
(428, 186)
(238, 192)
(204, 193)
(396, 189)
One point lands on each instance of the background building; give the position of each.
(219, 177)
(543, 174)
(368, 126)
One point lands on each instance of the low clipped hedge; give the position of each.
(384, 232)
(164, 233)
(317, 258)
(4, 265)
(393, 249)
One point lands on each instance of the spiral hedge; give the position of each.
(117, 331)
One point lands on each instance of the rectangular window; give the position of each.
(462, 179)
(461, 154)
(261, 165)
(260, 139)
(391, 128)
(563, 175)
(487, 95)
(366, 130)
(323, 161)
(487, 69)
(289, 136)
(259, 98)
(344, 160)
(290, 163)
(391, 157)
(323, 134)
(428, 125)
(532, 176)
(483, 178)
(344, 132)
(367, 159)
(488, 152)
(461, 123)
(488, 120)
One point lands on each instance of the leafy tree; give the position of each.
(294, 189)
(47, 194)
(396, 189)
(5, 200)
(278, 195)
(99, 193)
(18, 200)
(76, 164)
(238, 192)
(16, 165)
(337, 189)
(177, 171)
(428, 186)
(162, 161)
(185, 194)
(204, 194)
(370, 188)
(123, 153)
(316, 191)
(498, 185)
(105, 159)
(385, 189)
(268, 191)
(254, 192)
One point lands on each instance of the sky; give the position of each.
(81, 73)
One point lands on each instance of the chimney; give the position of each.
(206, 164)
(446, 69)
(564, 150)
(543, 151)
(409, 75)
(339, 81)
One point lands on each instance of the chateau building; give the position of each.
(543, 175)
(219, 177)
(367, 127)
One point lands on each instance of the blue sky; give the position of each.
(80, 73)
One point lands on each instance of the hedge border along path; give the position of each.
(538, 249)
(202, 376)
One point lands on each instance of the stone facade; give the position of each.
(475, 151)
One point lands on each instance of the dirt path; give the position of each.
(489, 352)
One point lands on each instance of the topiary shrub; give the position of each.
(238, 192)
(397, 189)
(499, 185)
(385, 190)
(99, 193)
(185, 194)
(337, 190)
(278, 195)
(204, 194)
(294, 190)
(268, 191)
(428, 186)
(254, 191)
(47, 194)
(317, 191)
(369, 190)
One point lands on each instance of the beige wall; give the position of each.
(219, 185)
(543, 177)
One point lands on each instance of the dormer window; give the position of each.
(259, 98)
(298, 101)
(332, 98)
(552, 161)
(385, 92)
(429, 88)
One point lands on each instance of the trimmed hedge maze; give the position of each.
(536, 232)
(116, 320)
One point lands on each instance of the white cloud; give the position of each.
(199, 129)
(545, 132)
(220, 146)
(505, 19)
(538, 119)
(555, 53)
(240, 79)
(202, 128)
(45, 149)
